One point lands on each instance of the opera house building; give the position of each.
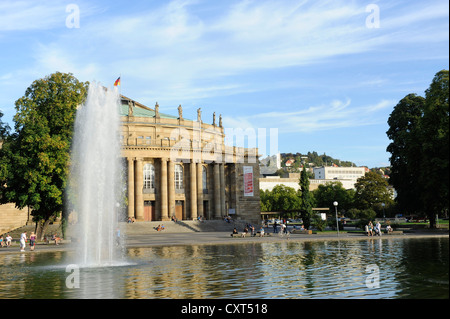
(181, 168)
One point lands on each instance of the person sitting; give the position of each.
(235, 232)
(158, 228)
(261, 232)
(56, 239)
(389, 229)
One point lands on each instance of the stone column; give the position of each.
(139, 185)
(222, 189)
(131, 188)
(200, 211)
(217, 206)
(193, 187)
(164, 211)
(171, 190)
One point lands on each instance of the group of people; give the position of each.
(283, 227)
(372, 230)
(250, 228)
(5, 242)
(160, 228)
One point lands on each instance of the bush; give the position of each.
(319, 223)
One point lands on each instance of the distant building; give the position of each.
(290, 162)
(350, 174)
(269, 182)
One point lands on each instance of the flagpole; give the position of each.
(120, 84)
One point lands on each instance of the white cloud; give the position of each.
(173, 47)
(335, 114)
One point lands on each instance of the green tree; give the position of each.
(327, 193)
(38, 153)
(281, 199)
(306, 206)
(4, 129)
(406, 150)
(419, 130)
(435, 147)
(370, 190)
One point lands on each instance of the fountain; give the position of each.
(95, 178)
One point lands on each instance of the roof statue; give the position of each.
(180, 112)
(156, 110)
(199, 115)
(130, 108)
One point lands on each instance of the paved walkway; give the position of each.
(215, 238)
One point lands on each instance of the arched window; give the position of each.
(149, 176)
(204, 178)
(178, 176)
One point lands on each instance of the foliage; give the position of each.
(4, 128)
(327, 193)
(307, 203)
(319, 223)
(37, 154)
(312, 158)
(403, 131)
(280, 199)
(419, 130)
(370, 190)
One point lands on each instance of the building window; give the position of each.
(149, 176)
(178, 176)
(204, 179)
(148, 140)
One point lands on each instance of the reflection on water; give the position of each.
(408, 268)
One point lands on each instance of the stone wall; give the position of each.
(11, 217)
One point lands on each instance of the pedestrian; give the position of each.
(370, 233)
(2, 244)
(23, 239)
(32, 241)
(8, 240)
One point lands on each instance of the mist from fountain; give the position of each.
(96, 178)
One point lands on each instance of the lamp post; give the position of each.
(337, 224)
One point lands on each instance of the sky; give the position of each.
(300, 75)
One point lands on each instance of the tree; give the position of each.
(281, 199)
(419, 130)
(327, 193)
(370, 190)
(4, 129)
(406, 150)
(435, 147)
(306, 206)
(38, 153)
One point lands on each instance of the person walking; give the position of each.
(32, 241)
(23, 239)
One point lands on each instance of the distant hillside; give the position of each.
(293, 162)
(314, 159)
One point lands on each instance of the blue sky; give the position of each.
(325, 74)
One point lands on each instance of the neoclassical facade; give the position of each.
(181, 168)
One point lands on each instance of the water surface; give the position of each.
(406, 268)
